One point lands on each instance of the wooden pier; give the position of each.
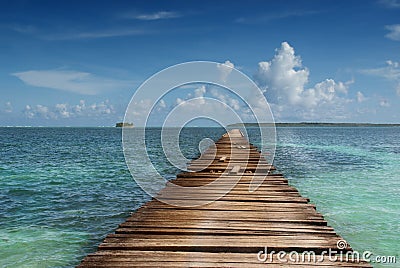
(233, 231)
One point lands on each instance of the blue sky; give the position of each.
(78, 63)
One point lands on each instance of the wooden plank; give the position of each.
(225, 224)
(134, 258)
(208, 231)
(222, 205)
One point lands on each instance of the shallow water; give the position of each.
(63, 189)
(353, 176)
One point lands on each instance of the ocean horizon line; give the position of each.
(278, 124)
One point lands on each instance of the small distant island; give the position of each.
(312, 124)
(123, 124)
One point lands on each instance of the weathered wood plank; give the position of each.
(134, 258)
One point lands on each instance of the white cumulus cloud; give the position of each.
(225, 69)
(384, 103)
(232, 102)
(62, 110)
(65, 110)
(39, 111)
(283, 77)
(199, 100)
(284, 80)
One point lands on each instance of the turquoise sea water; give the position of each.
(63, 189)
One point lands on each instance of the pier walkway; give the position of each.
(233, 231)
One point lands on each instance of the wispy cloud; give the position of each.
(276, 16)
(94, 34)
(71, 81)
(390, 72)
(160, 15)
(24, 29)
(394, 32)
(390, 3)
(69, 34)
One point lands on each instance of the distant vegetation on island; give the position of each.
(311, 124)
(123, 124)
